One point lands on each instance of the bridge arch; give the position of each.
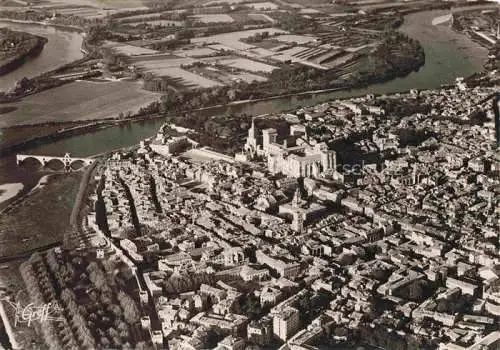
(22, 159)
(77, 164)
(49, 163)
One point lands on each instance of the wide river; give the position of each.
(448, 55)
(63, 47)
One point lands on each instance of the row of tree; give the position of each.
(104, 316)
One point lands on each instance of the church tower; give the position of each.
(296, 201)
(251, 144)
(298, 222)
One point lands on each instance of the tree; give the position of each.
(231, 94)
(415, 291)
(142, 346)
(130, 311)
(442, 306)
(251, 307)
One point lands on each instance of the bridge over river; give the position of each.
(67, 161)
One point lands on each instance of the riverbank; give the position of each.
(8, 191)
(21, 230)
(19, 187)
(44, 23)
(17, 48)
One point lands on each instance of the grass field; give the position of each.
(263, 5)
(108, 4)
(229, 2)
(79, 101)
(248, 77)
(248, 65)
(159, 22)
(220, 18)
(140, 17)
(233, 39)
(128, 50)
(20, 230)
(299, 39)
(188, 79)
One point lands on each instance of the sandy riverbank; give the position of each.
(8, 191)
(41, 183)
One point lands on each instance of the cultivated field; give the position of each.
(299, 39)
(229, 2)
(233, 39)
(89, 8)
(152, 63)
(128, 50)
(263, 5)
(197, 52)
(261, 17)
(109, 4)
(140, 17)
(219, 18)
(248, 77)
(248, 65)
(81, 100)
(86, 12)
(159, 22)
(186, 78)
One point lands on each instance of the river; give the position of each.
(62, 47)
(448, 55)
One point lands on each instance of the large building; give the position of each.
(286, 323)
(288, 270)
(166, 145)
(294, 156)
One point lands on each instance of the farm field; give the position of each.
(128, 50)
(197, 52)
(261, 17)
(158, 22)
(248, 65)
(140, 17)
(152, 63)
(248, 77)
(309, 11)
(263, 5)
(188, 79)
(108, 4)
(233, 39)
(218, 18)
(80, 100)
(227, 76)
(87, 12)
(229, 2)
(89, 8)
(299, 39)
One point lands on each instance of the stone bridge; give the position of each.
(67, 160)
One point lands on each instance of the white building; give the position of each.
(286, 323)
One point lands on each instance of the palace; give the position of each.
(294, 156)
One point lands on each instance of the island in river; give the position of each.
(16, 47)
